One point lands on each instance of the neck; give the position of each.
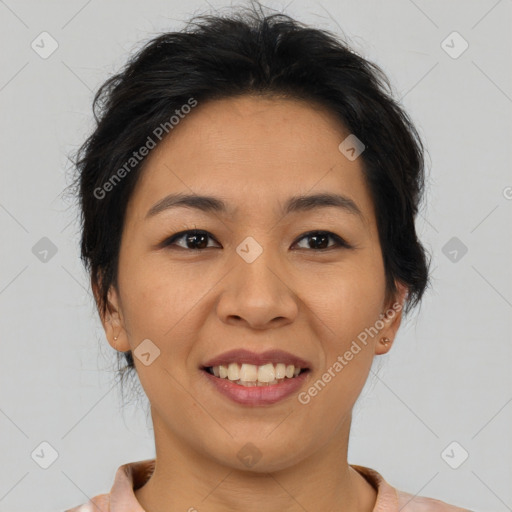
(185, 479)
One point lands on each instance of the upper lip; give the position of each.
(242, 356)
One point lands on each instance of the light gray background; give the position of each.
(448, 375)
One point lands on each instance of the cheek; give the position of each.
(155, 293)
(166, 304)
(348, 297)
(344, 314)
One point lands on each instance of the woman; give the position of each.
(248, 201)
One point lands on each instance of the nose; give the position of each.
(257, 295)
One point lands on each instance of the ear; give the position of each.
(112, 319)
(392, 317)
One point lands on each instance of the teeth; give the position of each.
(280, 371)
(248, 372)
(252, 375)
(267, 373)
(233, 371)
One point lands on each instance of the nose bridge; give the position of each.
(257, 272)
(256, 289)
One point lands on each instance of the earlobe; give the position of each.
(392, 318)
(114, 325)
(111, 319)
(383, 346)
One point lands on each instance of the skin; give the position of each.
(254, 153)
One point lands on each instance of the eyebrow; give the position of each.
(295, 204)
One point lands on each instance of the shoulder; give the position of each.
(98, 503)
(410, 503)
(390, 499)
(128, 477)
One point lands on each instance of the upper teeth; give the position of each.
(267, 373)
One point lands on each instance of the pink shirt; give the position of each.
(133, 475)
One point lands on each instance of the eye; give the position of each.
(320, 240)
(195, 239)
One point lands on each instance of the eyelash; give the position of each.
(339, 242)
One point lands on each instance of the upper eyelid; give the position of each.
(181, 234)
(341, 242)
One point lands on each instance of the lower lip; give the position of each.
(257, 395)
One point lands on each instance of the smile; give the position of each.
(250, 375)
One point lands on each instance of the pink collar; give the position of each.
(133, 475)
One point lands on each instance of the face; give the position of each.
(262, 274)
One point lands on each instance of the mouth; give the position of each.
(257, 379)
(250, 375)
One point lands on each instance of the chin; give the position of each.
(259, 455)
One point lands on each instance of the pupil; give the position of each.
(323, 237)
(191, 239)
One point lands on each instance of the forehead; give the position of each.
(253, 152)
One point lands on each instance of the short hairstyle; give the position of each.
(271, 55)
